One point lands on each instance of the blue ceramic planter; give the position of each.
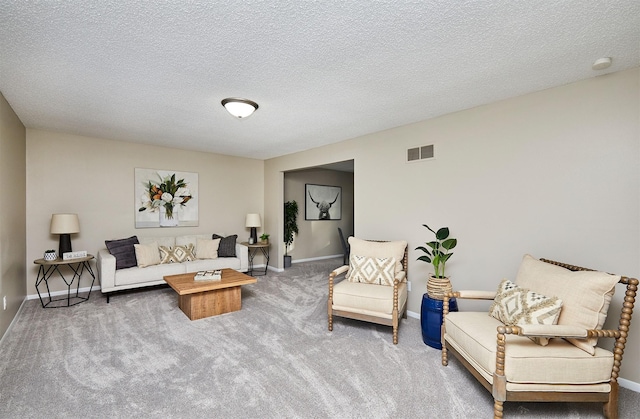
(431, 319)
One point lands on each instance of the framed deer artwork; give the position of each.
(322, 202)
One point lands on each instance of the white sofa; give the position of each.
(112, 279)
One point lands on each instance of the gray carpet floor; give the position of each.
(140, 356)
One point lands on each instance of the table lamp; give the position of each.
(64, 225)
(253, 221)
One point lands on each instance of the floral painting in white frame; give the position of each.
(165, 198)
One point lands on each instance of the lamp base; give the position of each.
(254, 234)
(65, 244)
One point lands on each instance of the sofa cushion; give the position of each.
(370, 270)
(394, 249)
(586, 295)
(162, 241)
(155, 273)
(514, 306)
(207, 248)
(473, 334)
(227, 247)
(123, 251)
(147, 254)
(368, 299)
(177, 254)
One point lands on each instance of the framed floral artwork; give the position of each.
(165, 198)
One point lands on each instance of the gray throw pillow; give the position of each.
(124, 251)
(227, 248)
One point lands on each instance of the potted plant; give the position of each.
(438, 254)
(264, 238)
(290, 228)
(50, 254)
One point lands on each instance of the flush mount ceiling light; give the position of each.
(240, 108)
(602, 63)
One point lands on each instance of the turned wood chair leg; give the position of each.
(497, 409)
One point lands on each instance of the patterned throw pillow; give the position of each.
(227, 247)
(370, 270)
(123, 251)
(177, 254)
(515, 306)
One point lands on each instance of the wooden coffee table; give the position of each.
(200, 299)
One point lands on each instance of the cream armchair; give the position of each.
(519, 352)
(375, 284)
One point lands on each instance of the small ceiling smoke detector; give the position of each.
(240, 108)
(602, 63)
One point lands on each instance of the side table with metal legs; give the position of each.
(253, 250)
(49, 267)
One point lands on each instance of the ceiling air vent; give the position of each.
(424, 152)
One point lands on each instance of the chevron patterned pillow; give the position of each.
(370, 270)
(515, 306)
(177, 254)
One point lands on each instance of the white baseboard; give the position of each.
(274, 269)
(413, 314)
(64, 292)
(15, 318)
(629, 385)
(317, 258)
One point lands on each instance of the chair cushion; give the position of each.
(394, 249)
(369, 270)
(147, 254)
(474, 334)
(586, 295)
(518, 306)
(370, 299)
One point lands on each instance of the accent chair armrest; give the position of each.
(340, 270)
(401, 276)
(552, 331)
(474, 294)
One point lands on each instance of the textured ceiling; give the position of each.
(322, 72)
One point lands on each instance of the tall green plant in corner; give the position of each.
(439, 253)
(290, 223)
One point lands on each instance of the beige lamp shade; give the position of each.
(253, 220)
(65, 224)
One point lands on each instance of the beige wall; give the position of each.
(95, 178)
(319, 238)
(12, 213)
(553, 173)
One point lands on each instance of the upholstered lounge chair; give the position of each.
(506, 359)
(375, 288)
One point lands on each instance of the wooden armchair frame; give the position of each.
(499, 386)
(394, 321)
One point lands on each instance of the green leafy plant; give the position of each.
(264, 237)
(438, 252)
(290, 223)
